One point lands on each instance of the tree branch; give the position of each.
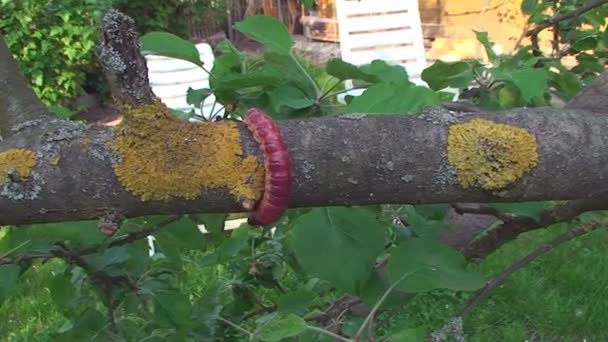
(62, 252)
(561, 17)
(123, 63)
(470, 233)
(493, 239)
(18, 103)
(380, 164)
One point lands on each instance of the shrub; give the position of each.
(54, 43)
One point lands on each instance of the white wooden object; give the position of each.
(170, 79)
(389, 30)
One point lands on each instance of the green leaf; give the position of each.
(196, 96)
(169, 45)
(282, 327)
(585, 40)
(423, 225)
(566, 83)
(62, 112)
(178, 237)
(376, 288)
(288, 67)
(62, 290)
(226, 47)
(387, 73)
(531, 82)
(338, 244)
(41, 237)
(528, 6)
(527, 209)
(586, 63)
(388, 98)
(509, 96)
(290, 96)
(173, 307)
(229, 249)
(421, 265)
(9, 274)
(482, 37)
(228, 88)
(442, 74)
(295, 302)
(224, 65)
(267, 30)
(346, 71)
(181, 114)
(109, 258)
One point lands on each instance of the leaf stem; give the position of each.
(325, 94)
(236, 326)
(310, 79)
(344, 91)
(380, 301)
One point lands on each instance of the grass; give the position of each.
(559, 297)
(556, 298)
(30, 313)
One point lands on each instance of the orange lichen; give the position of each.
(490, 155)
(21, 161)
(163, 158)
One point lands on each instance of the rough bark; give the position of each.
(390, 159)
(469, 231)
(18, 103)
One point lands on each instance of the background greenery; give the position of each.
(54, 41)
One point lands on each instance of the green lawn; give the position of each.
(557, 298)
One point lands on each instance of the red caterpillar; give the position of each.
(277, 183)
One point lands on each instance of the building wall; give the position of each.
(452, 24)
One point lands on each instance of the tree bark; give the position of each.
(18, 103)
(390, 159)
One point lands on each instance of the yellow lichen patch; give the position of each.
(164, 158)
(21, 161)
(490, 155)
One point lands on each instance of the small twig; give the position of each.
(261, 310)
(555, 41)
(326, 93)
(500, 278)
(63, 252)
(521, 37)
(476, 209)
(561, 17)
(370, 317)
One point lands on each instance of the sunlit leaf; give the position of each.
(421, 265)
(267, 30)
(281, 327)
(338, 244)
(169, 45)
